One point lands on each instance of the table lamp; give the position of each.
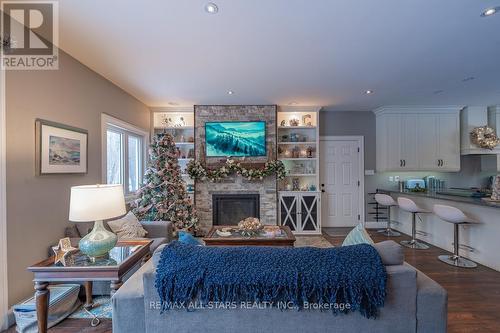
(96, 203)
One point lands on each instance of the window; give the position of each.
(123, 154)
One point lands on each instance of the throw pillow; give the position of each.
(187, 238)
(128, 227)
(358, 235)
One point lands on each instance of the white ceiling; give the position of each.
(321, 52)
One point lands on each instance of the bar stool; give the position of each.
(388, 201)
(410, 206)
(457, 217)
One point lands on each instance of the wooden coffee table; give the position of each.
(122, 258)
(213, 239)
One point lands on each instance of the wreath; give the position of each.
(484, 137)
(197, 171)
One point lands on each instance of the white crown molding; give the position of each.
(299, 108)
(186, 108)
(391, 109)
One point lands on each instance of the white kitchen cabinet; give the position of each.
(418, 138)
(449, 142)
(409, 142)
(300, 211)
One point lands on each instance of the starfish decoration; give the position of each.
(62, 250)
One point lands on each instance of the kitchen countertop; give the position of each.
(434, 195)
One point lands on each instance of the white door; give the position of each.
(340, 182)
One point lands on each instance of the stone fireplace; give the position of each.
(229, 209)
(207, 192)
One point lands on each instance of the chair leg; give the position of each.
(414, 243)
(388, 230)
(455, 259)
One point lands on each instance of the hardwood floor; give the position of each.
(473, 294)
(77, 326)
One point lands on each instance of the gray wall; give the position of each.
(363, 123)
(37, 206)
(351, 123)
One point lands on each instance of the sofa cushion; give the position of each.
(358, 235)
(157, 242)
(157, 254)
(391, 252)
(128, 303)
(127, 227)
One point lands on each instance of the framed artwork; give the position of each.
(60, 148)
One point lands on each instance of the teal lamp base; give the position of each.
(98, 242)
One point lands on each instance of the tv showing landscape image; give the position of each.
(236, 138)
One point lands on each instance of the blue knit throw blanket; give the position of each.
(352, 275)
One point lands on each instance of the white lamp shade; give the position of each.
(96, 202)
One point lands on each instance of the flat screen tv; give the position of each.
(235, 138)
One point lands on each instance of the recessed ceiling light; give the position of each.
(470, 78)
(490, 11)
(230, 92)
(173, 103)
(293, 103)
(369, 92)
(211, 8)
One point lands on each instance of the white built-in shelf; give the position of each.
(298, 143)
(296, 127)
(301, 175)
(297, 158)
(184, 143)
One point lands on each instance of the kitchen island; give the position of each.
(483, 237)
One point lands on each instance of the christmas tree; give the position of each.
(163, 196)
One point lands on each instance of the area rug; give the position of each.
(101, 309)
(313, 241)
(337, 232)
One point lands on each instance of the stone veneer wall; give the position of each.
(235, 184)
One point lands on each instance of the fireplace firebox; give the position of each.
(229, 209)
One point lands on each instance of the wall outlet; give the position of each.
(391, 178)
(396, 178)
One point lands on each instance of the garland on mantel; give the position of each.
(197, 171)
